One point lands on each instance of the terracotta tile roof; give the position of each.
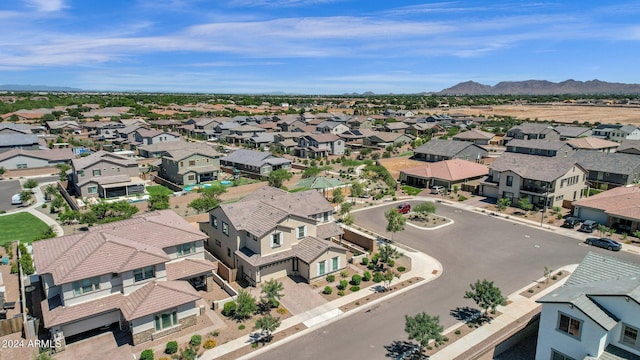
(58, 315)
(450, 170)
(157, 296)
(186, 268)
(591, 143)
(325, 231)
(620, 201)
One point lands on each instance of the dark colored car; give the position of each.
(588, 226)
(604, 243)
(404, 208)
(571, 222)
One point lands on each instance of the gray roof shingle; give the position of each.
(444, 147)
(616, 163)
(533, 167)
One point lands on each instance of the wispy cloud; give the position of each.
(46, 5)
(279, 3)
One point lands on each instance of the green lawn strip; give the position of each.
(158, 189)
(410, 190)
(408, 153)
(21, 226)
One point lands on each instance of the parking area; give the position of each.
(7, 189)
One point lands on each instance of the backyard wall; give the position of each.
(365, 241)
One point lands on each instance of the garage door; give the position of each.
(275, 271)
(490, 191)
(591, 214)
(91, 323)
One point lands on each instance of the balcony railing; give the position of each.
(535, 189)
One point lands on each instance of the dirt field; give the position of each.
(561, 113)
(394, 165)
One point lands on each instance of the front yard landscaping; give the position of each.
(21, 226)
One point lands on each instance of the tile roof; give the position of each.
(62, 124)
(387, 136)
(612, 352)
(596, 267)
(59, 315)
(534, 167)
(157, 296)
(323, 138)
(396, 125)
(621, 201)
(149, 133)
(85, 162)
(50, 155)
(181, 153)
(250, 157)
(23, 128)
(444, 147)
(328, 230)
(617, 163)
(629, 145)
(18, 139)
(591, 143)
(186, 268)
(307, 249)
(474, 134)
(532, 128)
(572, 131)
(176, 145)
(450, 170)
(540, 144)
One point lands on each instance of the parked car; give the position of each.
(604, 243)
(404, 208)
(571, 222)
(16, 199)
(588, 226)
(437, 189)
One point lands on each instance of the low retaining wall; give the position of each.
(10, 326)
(67, 197)
(164, 182)
(359, 238)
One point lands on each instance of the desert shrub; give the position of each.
(281, 310)
(344, 273)
(215, 333)
(364, 261)
(209, 344)
(241, 327)
(343, 284)
(229, 308)
(356, 279)
(171, 348)
(146, 355)
(462, 198)
(196, 340)
(391, 263)
(340, 292)
(354, 288)
(378, 277)
(331, 278)
(401, 268)
(371, 266)
(366, 276)
(188, 354)
(458, 332)
(327, 290)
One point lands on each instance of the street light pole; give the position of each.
(544, 206)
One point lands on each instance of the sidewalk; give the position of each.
(422, 265)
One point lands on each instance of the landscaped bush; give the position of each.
(209, 344)
(356, 279)
(241, 327)
(366, 276)
(371, 266)
(188, 354)
(378, 277)
(354, 288)
(364, 261)
(229, 308)
(344, 273)
(196, 340)
(327, 290)
(458, 332)
(401, 268)
(172, 347)
(462, 198)
(331, 278)
(146, 355)
(391, 263)
(340, 292)
(343, 284)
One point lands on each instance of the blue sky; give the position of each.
(313, 46)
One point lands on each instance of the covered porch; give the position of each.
(120, 185)
(197, 272)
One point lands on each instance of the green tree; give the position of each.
(30, 184)
(62, 171)
(348, 219)
(388, 277)
(26, 196)
(107, 212)
(423, 328)
(272, 290)
(386, 253)
(26, 261)
(3, 171)
(203, 204)
(158, 201)
(345, 208)
(525, 204)
(310, 172)
(57, 203)
(338, 197)
(604, 231)
(267, 325)
(277, 177)
(356, 189)
(395, 221)
(245, 305)
(213, 192)
(425, 208)
(486, 295)
(69, 216)
(503, 204)
(50, 191)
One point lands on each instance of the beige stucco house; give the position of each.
(103, 174)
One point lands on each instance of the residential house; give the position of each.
(286, 141)
(445, 173)
(252, 162)
(420, 128)
(261, 140)
(165, 124)
(618, 208)
(285, 122)
(15, 129)
(404, 113)
(609, 169)
(396, 127)
(319, 145)
(356, 123)
(190, 165)
(28, 159)
(203, 128)
(105, 175)
(151, 136)
(127, 134)
(531, 131)
(63, 127)
(593, 144)
(617, 132)
(242, 133)
(132, 274)
(629, 147)
(439, 150)
(439, 118)
(544, 181)
(475, 136)
(331, 127)
(272, 233)
(383, 139)
(9, 142)
(540, 147)
(103, 130)
(572, 132)
(595, 314)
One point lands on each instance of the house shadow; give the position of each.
(404, 350)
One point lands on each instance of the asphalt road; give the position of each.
(7, 189)
(476, 246)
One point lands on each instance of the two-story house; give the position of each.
(531, 131)
(151, 136)
(595, 314)
(104, 130)
(544, 181)
(272, 233)
(189, 166)
(63, 127)
(133, 275)
(572, 132)
(331, 127)
(439, 150)
(252, 162)
(319, 145)
(609, 169)
(103, 174)
(617, 132)
(127, 134)
(540, 147)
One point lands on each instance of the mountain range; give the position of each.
(541, 87)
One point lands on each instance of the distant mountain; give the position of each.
(13, 87)
(541, 87)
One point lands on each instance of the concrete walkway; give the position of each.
(32, 209)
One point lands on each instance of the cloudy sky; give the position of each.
(313, 46)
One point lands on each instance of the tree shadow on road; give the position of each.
(404, 350)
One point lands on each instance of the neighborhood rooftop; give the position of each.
(533, 167)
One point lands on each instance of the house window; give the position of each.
(214, 221)
(86, 285)
(21, 166)
(228, 252)
(569, 325)
(218, 243)
(555, 355)
(630, 336)
(191, 177)
(92, 190)
(509, 180)
(80, 173)
(335, 263)
(96, 172)
(192, 163)
(322, 267)
(325, 216)
(166, 320)
(302, 231)
(144, 273)
(276, 240)
(225, 228)
(181, 163)
(186, 249)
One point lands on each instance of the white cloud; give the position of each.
(46, 5)
(279, 3)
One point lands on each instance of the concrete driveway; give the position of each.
(7, 189)
(299, 296)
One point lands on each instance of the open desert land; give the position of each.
(566, 113)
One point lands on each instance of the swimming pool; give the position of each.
(225, 182)
(196, 187)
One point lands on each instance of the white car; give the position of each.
(437, 189)
(16, 199)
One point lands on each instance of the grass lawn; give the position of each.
(410, 190)
(407, 153)
(21, 226)
(158, 189)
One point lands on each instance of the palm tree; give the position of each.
(267, 324)
(272, 289)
